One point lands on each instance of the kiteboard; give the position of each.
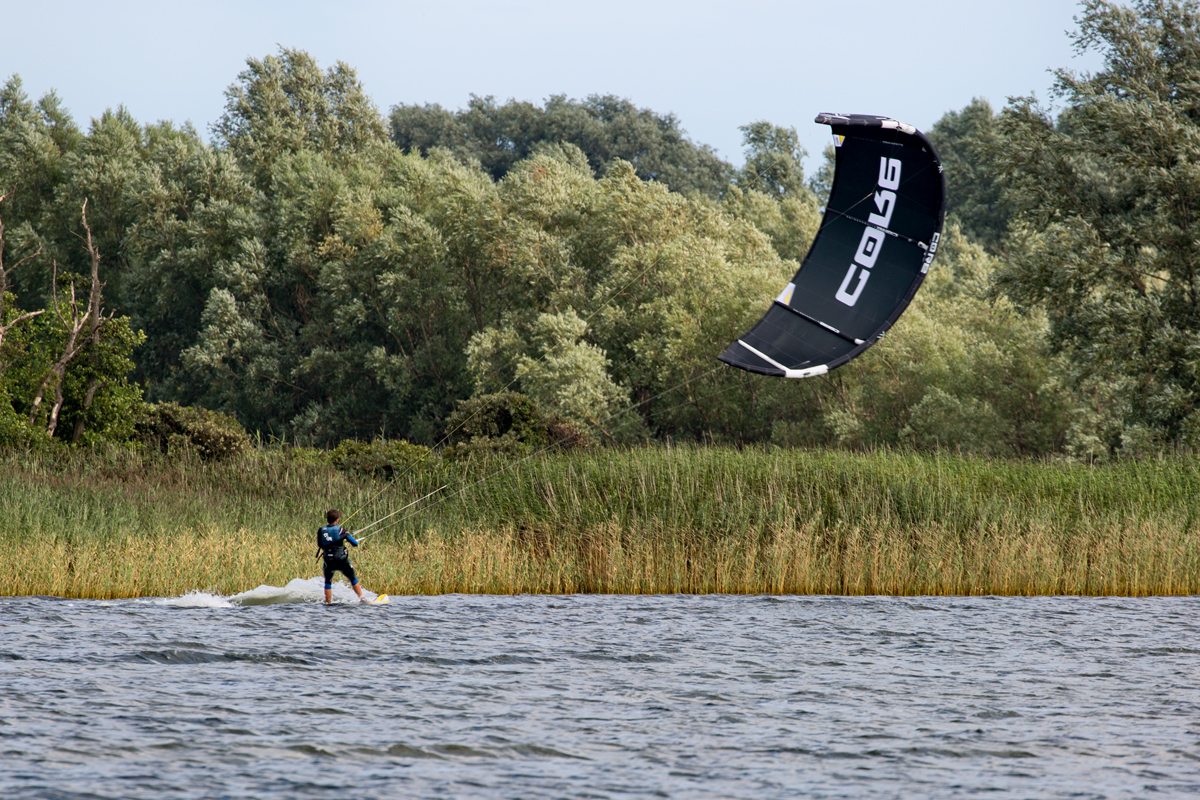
(381, 600)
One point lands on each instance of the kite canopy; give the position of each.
(875, 244)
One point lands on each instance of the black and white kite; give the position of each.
(876, 242)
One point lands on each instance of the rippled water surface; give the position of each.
(595, 697)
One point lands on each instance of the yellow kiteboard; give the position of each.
(381, 600)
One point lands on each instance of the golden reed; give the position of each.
(652, 520)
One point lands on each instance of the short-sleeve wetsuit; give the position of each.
(331, 539)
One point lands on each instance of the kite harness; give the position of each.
(332, 541)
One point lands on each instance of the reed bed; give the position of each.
(647, 520)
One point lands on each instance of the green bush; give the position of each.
(172, 428)
(507, 423)
(15, 430)
(379, 459)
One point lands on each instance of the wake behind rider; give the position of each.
(331, 540)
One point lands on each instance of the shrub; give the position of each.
(507, 423)
(173, 428)
(379, 459)
(15, 430)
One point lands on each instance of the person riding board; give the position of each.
(331, 541)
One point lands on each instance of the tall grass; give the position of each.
(646, 520)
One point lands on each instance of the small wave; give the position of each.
(484, 661)
(186, 656)
(461, 750)
(406, 751)
(516, 750)
(633, 658)
(313, 750)
(538, 751)
(298, 590)
(1166, 651)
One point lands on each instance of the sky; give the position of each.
(714, 64)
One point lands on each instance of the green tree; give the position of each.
(663, 283)
(774, 161)
(34, 139)
(771, 193)
(603, 127)
(345, 313)
(1104, 237)
(569, 377)
(821, 182)
(36, 142)
(791, 223)
(319, 283)
(73, 354)
(14, 428)
(286, 104)
(196, 216)
(966, 142)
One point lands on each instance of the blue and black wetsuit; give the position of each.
(331, 539)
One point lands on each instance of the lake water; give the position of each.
(271, 695)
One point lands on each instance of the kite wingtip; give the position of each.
(864, 120)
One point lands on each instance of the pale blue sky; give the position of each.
(716, 65)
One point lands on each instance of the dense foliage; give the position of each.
(172, 428)
(605, 128)
(1104, 236)
(578, 266)
(967, 143)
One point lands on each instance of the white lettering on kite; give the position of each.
(872, 238)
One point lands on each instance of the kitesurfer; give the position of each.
(331, 541)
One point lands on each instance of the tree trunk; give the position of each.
(56, 372)
(95, 321)
(58, 404)
(70, 350)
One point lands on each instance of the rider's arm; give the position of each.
(350, 538)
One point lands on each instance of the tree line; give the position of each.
(324, 273)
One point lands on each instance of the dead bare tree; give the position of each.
(96, 321)
(4, 272)
(74, 319)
